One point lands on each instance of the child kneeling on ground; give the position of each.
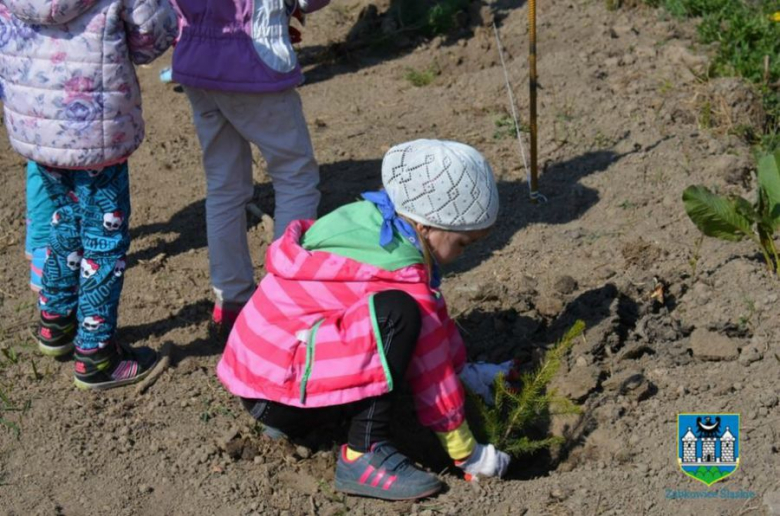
(350, 309)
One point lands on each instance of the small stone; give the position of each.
(750, 354)
(565, 284)
(144, 489)
(682, 390)
(707, 345)
(581, 361)
(620, 31)
(549, 306)
(767, 399)
(630, 383)
(228, 436)
(303, 452)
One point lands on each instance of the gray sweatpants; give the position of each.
(227, 123)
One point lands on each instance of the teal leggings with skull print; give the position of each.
(88, 241)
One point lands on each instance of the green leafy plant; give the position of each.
(420, 78)
(517, 411)
(734, 218)
(505, 127)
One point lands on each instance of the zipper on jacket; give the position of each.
(380, 346)
(309, 359)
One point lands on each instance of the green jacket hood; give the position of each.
(352, 231)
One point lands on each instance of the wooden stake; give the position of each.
(533, 87)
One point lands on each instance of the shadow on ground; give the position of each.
(376, 36)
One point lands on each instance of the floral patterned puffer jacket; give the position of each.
(67, 80)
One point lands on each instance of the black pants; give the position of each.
(399, 320)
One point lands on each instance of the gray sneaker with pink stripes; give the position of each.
(384, 473)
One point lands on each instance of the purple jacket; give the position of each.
(239, 45)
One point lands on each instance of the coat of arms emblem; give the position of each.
(708, 445)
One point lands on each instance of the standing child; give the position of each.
(73, 107)
(350, 309)
(236, 62)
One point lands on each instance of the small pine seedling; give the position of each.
(506, 424)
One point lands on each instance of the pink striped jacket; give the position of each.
(309, 337)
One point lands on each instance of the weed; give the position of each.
(421, 78)
(705, 115)
(10, 354)
(36, 375)
(602, 141)
(627, 205)
(505, 127)
(7, 406)
(746, 319)
(665, 87)
(210, 411)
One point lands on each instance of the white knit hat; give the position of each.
(447, 185)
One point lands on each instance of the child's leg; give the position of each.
(227, 160)
(104, 199)
(275, 123)
(398, 317)
(101, 362)
(286, 421)
(39, 212)
(370, 465)
(59, 294)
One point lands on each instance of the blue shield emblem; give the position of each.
(708, 445)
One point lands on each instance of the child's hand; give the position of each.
(480, 376)
(485, 461)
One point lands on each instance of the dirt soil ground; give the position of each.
(625, 125)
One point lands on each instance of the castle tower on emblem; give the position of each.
(689, 447)
(727, 446)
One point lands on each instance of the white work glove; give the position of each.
(485, 461)
(480, 376)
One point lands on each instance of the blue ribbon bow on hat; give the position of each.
(392, 222)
